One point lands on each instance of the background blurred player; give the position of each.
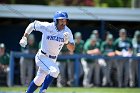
(27, 64)
(91, 66)
(123, 47)
(4, 64)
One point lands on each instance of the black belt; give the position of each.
(50, 56)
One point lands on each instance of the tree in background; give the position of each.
(135, 3)
(94, 3)
(114, 3)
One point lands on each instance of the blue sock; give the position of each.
(32, 87)
(48, 80)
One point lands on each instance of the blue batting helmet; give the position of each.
(65, 13)
(60, 15)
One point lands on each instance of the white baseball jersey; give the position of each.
(52, 39)
(51, 43)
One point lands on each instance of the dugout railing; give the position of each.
(77, 57)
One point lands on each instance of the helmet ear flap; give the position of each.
(56, 21)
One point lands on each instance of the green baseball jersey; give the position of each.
(64, 51)
(4, 59)
(123, 44)
(79, 47)
(87, 43)
(137, 49)
(106, 48)
(90, 47)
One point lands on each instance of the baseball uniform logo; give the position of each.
(59, 39)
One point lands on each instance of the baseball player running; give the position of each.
(54, 36)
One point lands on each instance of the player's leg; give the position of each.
(48, 80)
(97, 73)
(88, 71)
(32, 87)
(30, 70)
(23, 70)
(126, 71)
(38, 80)
(54, 72)
(61, 80)
(70, 70)
(119, 66)
(132, 73)
(105, 73)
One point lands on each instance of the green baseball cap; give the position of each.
(77, 34)
(110, 36)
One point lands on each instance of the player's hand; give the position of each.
(23, 42)
(111, 54)
(66, 37)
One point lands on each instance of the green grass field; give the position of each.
(74, 90)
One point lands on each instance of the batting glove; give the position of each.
(66, 37)
(23, 42)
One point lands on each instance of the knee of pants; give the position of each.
(54, 72)
(39, 79)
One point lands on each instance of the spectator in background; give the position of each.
(79, 49)
(68, 65)
(70, 69)
(134, 40)
(27, 64)
(4, 63)
(123, 47)
(62, 63)
(101, 63)
(108, 49)
(94, 33)
(134, 64)
(90, 65)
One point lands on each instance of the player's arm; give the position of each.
(71, 47)
(29, 29)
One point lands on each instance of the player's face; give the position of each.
(61, 23)
(109, 41)
(78, 39)
(93, 42)
(2, 51)
(123, 35)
